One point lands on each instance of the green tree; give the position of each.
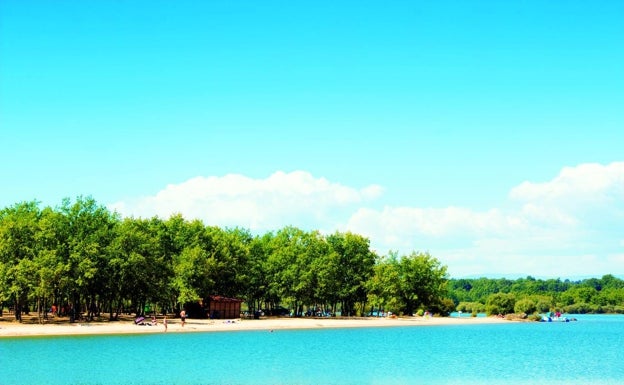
(18, 250)
(52, 274)
(525, 305)
(230, 248)
(285, 265)
(384, 285)
(611, 282)
(133, 270)
(326, 267)
(309, 288)
(578, 294)
(194, 271)
(256, 289)
(355, 264)
(89, 232)
(500, 303)
(422, 282)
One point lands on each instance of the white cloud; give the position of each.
(296, 198)
(590, 183)
(568, 226)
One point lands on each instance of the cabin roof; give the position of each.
(219, 298)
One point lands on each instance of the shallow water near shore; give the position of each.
(583, 352)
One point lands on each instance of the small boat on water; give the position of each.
(556, 317)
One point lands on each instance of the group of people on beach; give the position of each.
(154, 321)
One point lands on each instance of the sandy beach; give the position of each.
(15, 329)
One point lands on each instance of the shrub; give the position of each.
(464, 307)
(444, 307)
(582, 308)
(543, 306)
(526, 306)
(471, 307)
(500, 303)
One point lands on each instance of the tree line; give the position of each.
(530, 295)
(82, 260)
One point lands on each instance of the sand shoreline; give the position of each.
(15, 329)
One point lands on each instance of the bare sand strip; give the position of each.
(14, 329)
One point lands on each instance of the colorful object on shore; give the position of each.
(556, 317)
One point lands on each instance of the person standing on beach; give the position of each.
(183, 317)
(165, 323)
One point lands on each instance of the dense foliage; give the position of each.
(530, 295)
(85, 260)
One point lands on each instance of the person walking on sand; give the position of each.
(165, 323)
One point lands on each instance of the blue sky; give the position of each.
(488, 133)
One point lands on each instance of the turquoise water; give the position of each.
(586, 352)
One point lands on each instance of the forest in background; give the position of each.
(530, 295)
(81, 258)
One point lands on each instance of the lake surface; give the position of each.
(590, 351)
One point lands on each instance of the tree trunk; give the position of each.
(110, 310)
(39, 311)
(92, 308)
(18, 311)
